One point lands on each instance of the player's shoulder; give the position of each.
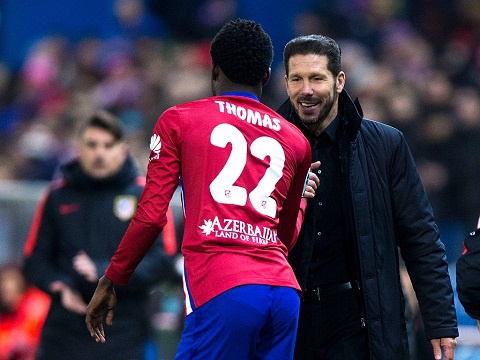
(194, 104)
(293, 132)
(291, 127)
(182, 115)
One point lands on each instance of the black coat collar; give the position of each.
(353, 114)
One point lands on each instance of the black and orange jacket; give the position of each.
(78, 213)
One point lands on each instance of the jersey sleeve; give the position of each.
(162, 178)
(291, 215)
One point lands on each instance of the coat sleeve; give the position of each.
(422, 250)
(468, 275)
(39, 266)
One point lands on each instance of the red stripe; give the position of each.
(35, 226)
(140, 180)
(169, 236)
(37, 217)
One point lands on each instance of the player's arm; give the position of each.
(151, 216)
(291, 215)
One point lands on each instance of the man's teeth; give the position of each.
(307, 105)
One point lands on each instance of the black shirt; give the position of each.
(323, 218)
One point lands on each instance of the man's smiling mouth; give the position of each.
(307, 105)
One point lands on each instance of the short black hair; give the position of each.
(318, 45)
(104, 120)
(243, 50)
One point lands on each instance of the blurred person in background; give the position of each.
(468, 275)
(371, 203)
(23, 309)
(465, 165)
(76, 228)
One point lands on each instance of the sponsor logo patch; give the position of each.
(155, 146)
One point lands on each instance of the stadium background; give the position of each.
(414, 64)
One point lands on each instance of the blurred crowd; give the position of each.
(414, 65)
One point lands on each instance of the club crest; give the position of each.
(124, 206)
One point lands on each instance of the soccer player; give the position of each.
(243, 169)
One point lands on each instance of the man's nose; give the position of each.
(307, 88)
(100, 151)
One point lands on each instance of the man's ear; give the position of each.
(266, 77)
(340, 81)
(215, 72)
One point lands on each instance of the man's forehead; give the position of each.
(98, 135)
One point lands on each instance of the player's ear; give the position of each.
(266, 77)
(215, 72)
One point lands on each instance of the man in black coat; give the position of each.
(468, 276)
(370, 204)
(75, 231)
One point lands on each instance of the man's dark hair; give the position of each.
(104, 120)
(243, 50)
(314, 44)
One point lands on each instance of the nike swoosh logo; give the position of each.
(66, 209)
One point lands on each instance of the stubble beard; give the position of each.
(324, 112)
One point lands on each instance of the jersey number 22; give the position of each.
(222, 188)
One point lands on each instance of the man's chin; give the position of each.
(99, 175)
(308, 119)
(307, 116)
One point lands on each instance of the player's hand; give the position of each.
(312, 183)
(478, 325)
(104, 299)
(84, 265)
(447, 345)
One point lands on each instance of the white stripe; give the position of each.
(188, 306)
